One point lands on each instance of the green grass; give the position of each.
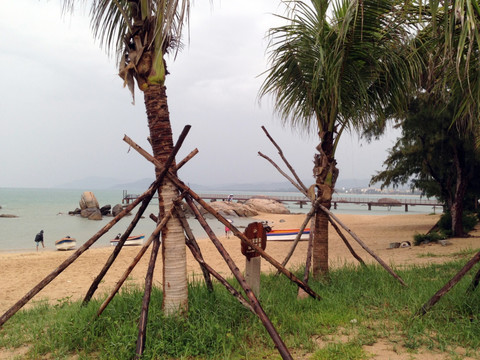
(359, 306)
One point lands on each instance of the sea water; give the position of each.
(47, 210)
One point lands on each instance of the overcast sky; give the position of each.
(64, 111)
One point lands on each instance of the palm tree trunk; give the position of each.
(175, 293)
(325, 173)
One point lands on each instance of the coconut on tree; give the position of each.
(142, 33)
(335, 66)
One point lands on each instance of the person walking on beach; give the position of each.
(39, 239)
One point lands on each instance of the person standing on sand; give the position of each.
(39, 239)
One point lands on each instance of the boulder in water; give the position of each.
(88, 200)
(117, 209)
(91, 214)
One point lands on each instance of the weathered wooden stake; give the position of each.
(191, 242)
(363, 245)
(282, 349)
(139, 214)
(252, 273)
(135, 261)
(449, 285)
(345, 241)
(142, 323)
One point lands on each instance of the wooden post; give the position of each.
(256, 233)
(252, 273)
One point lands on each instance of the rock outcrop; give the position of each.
(249, 208)
(117, 209)
(89, 206)
(88, 200)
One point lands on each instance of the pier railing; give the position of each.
(303, 200)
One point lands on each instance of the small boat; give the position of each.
(66, 243)
(131, 240)
(287, 235)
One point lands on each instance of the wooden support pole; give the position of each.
(135, 261)
(280, 152)
(10, 312)
(449, 285)
(345, 241)
(142, 322)
(219, 277)
(283, 350)
(224, 221)
(190, 241)
(116, 251)
(139, 214)
(300, 232)
(363, 245)
(197, 254)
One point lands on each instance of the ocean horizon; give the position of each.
(47, 209)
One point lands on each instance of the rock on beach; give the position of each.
(249, 208)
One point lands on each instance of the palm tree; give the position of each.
(141, 33)
(331, 75)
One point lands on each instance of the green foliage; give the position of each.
(363, 304)
(444, 228)
(469, 220)
(434, 236)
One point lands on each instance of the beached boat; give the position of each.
(287, 235)
(131, 240)
(66, 243)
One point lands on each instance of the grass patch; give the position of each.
(359, 307)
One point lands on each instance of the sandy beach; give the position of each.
(20, 272)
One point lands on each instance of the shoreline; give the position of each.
(22, 270)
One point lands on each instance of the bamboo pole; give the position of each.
(283, 350)
(449, 285)
(135, 261)
(224, 221)
(19, 304)
(139, 214)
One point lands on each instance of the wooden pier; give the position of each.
(303, 200)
